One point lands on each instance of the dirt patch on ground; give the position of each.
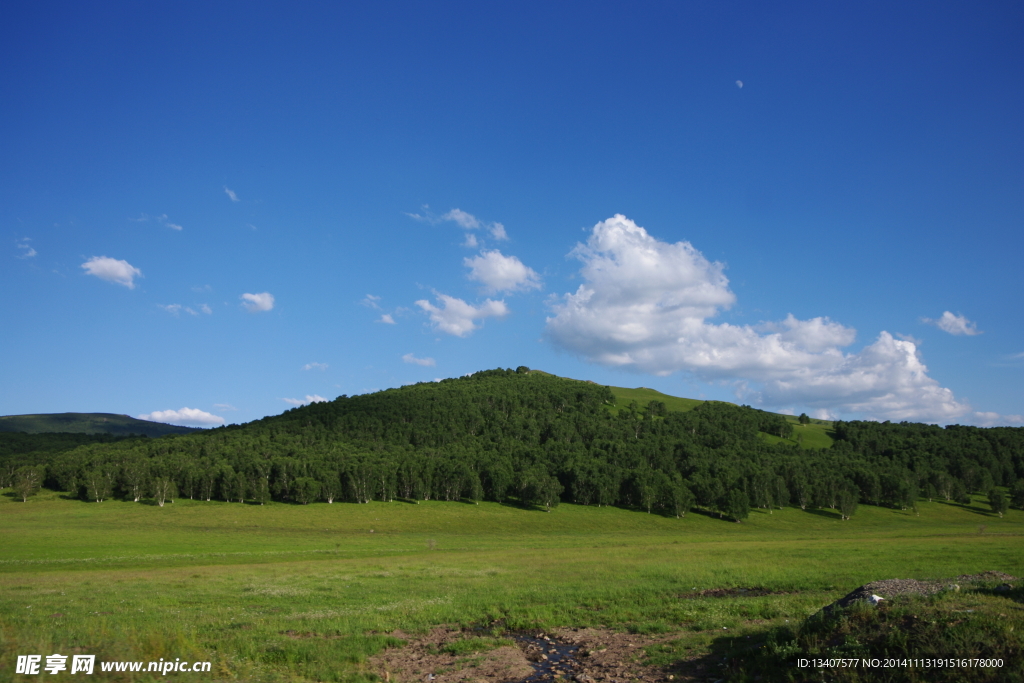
(890, 588)
(422, 659)
(617, 657)
(585, 655)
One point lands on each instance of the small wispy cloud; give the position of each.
(255, 303)
(224, 406)
(498, 231)
(27, 250)
(202, 288)
(163, 219)
(954, 324)
(166, 222)
(231, 194)
(425, 362)
(112, 270)
(464, 220)
(315, 366)
(176, 309)
(371, 301)
(310, 398)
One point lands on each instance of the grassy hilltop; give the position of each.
(815, 434)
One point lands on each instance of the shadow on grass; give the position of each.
(724, 653)
(828, 514)
(712, 515)
(970, 507)
(520, 506)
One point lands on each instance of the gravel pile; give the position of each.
(890, 588)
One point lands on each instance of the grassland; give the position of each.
(233, 583)
(643, 396)
(816, 434)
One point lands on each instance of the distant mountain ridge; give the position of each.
(87, 423)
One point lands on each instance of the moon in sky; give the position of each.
(739, 84)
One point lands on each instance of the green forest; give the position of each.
(530, 439)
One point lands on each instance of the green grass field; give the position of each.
(643, 396)
(814, 435)
(817, 434)
(233, 583)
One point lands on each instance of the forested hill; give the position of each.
(87, 423)
(536, 439)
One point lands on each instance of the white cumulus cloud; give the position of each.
(645, 304)
(254, 303)
(500, 273)
(315, 366)
(457, 317)
(112, 270)
(954, 324)
(387, 319)
(315, 398)
(174, 309)
(426, 362)
(231, 194)
(189, 417)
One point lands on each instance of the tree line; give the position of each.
(532, 439)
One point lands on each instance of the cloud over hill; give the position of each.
(646, 305)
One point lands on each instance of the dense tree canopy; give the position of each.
(534, 438)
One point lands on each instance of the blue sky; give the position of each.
(214, 211)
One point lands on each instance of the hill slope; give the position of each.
(537, 439)
(87, 423)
